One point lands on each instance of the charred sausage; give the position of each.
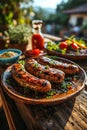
(68, 68)
(45, 72)
(25, 79)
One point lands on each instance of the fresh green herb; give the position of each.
(73, 38)
(58, 50)
(75, 76)
(7, 81)
(41, 72)
(22, 68)
(46, 67)
(82, 42)
(68, 79)
(65, 85)
(50, 94)
(52, 62)
(70, 38)
(55, 47)
(22, 62)
(19, 33)
(53, 57)
(52, 46)
(64, 51)
(35, 65)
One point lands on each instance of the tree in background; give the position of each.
(72, 4)
(10, 11)
(40, 13)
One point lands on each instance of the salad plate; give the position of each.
(71, 48)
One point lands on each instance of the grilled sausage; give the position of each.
(68, 68)
(45, 72)
(25, 79)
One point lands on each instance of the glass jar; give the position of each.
(37, 36)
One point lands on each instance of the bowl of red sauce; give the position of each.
(34, 53)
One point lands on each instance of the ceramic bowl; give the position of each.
(11, 59)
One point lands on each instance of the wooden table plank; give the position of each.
(69, 115)
(14, 119)
(53, 38)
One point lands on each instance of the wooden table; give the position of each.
(70, 115)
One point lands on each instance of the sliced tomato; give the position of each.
(36, 51)
(33, 52)
(63, 45)
(74, 46)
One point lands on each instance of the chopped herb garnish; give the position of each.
(52, 46)
(52, 62)
(35, 65)
(22, 62)
(22, 68)
(46, 67)
(7, 81)
(68, 78)
(65, 85)
(50, 94)
(53, 57)
(64, 51)
(41, 72)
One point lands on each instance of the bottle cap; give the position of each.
(36, 22)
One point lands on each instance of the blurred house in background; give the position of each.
(78, 20)
(78, 16)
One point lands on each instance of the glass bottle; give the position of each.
(37, 37)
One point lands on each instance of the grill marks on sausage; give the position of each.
(25, 79)
(45, 72)
(68, 68)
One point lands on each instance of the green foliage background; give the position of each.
(9, 10)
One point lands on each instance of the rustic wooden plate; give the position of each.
(67, 55)
(12, 89)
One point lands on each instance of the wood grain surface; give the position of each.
(71, 115)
